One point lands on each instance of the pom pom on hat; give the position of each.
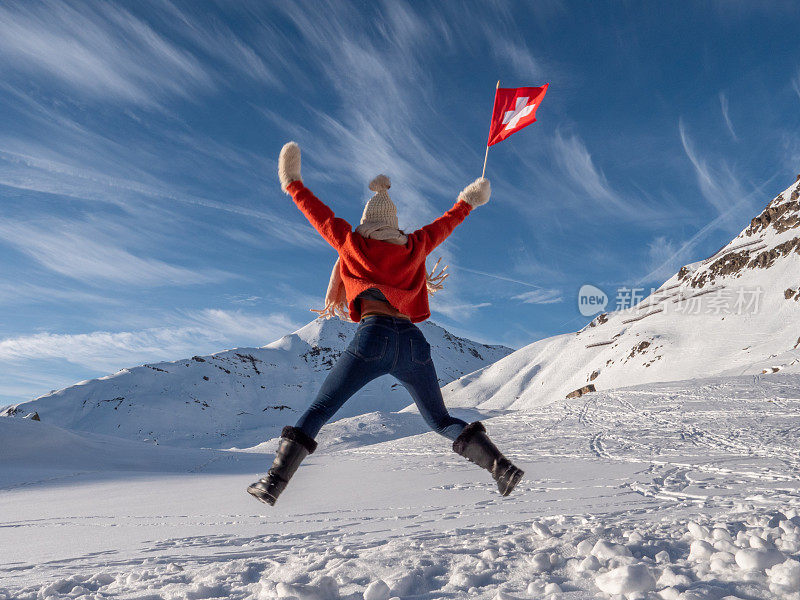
(380, 210)
(380, 184)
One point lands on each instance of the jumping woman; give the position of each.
(380, 282)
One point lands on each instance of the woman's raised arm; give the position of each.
(321, 217)
(475, 194)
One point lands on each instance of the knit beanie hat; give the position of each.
(380, 210)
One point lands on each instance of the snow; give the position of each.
(541, 529)
(324, 588)
(755, 559)
(784, 577)
(377, 590)
(626, 580)
(639, 493)
(605, 551)
(701, 550)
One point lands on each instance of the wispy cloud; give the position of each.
(517, 56)
(540, 297)
(454, 308)
(216, 41)
(363, 141)
(102, 51)
(244, 300)
(575, 159)
(239, 327)
(23, 292)
(723, 103)
(664, 259)
(796, 85)
(21, 385)
(497, 276)
(791, 151)
(81, 251)
(198, 332)
(33, 173)
(572, 155)
(287, 295)
(720, 187)
(139, 56)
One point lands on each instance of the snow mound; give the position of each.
(627, 580)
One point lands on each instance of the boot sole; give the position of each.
(513, 481)
(259, 494)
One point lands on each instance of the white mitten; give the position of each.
(477, 192)
(289, 164)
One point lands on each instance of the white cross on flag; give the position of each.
(514, 108)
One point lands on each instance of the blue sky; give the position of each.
(140, 214)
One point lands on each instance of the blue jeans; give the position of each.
(383, 345)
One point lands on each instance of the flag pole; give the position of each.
(486, 156)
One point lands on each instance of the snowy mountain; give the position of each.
(736, 312)
(238, 397)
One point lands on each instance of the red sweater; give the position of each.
(397, 271)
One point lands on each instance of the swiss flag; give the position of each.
(514, 108)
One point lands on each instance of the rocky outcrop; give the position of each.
(728, 264)
(638, 349)
(766, 258)
(581, 391)
(782, 217)
(779, 216)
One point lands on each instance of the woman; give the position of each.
(380, 279)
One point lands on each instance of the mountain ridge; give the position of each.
(699, 323)
(238, 397)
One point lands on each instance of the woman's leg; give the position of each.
(365, 359)
(416, 372)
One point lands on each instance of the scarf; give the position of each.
(335, 296)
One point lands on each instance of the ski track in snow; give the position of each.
(684, 490)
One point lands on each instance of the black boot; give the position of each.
(474, 445)
(294, 447)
